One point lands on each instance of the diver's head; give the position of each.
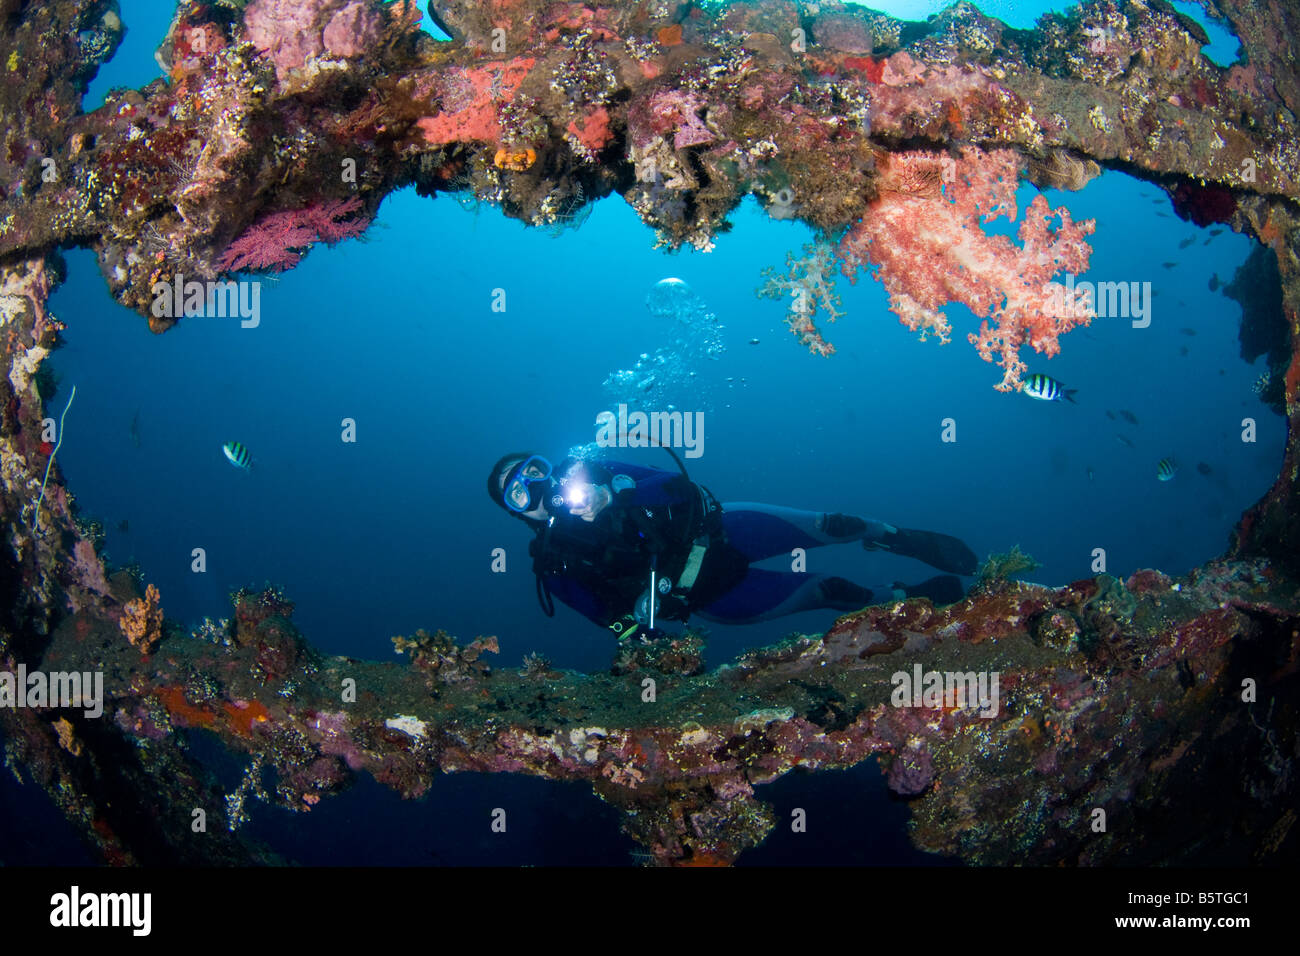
(519, 483)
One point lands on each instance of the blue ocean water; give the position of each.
(394, 532)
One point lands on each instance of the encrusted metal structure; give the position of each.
(284, 122)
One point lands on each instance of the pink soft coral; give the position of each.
(277, 241)
(925, 239)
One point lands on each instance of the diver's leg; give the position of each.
(761, 531)
(764, 595)
(940, 589)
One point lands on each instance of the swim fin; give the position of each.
(843, 595)
(940, 589)
(941, 551)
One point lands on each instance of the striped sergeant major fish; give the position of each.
(238, 455)
(1166, 469)
(1047, 389)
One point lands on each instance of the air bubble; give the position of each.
(667, 378)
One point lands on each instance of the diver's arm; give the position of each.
(650, 486)
(655, 490)
(663, 488)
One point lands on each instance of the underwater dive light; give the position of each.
(578, 495)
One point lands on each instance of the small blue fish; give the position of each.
(1047, 389)
(1166, 470)
(238, 455)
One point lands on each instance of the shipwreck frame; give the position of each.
(1120, 695)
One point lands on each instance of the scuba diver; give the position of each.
(628, 546)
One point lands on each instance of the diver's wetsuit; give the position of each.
(762, 531)
(601, 568)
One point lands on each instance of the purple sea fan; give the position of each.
(277, 241)
(291, 32)
(456, 90)
(352, 30)
(87, 569)
(911, 772)
(676, 112)
(285, 30)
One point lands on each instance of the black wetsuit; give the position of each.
(600, 568)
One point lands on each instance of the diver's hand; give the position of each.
(597, 502)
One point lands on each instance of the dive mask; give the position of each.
(527, 484)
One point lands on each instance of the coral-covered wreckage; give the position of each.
(1170, 705)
